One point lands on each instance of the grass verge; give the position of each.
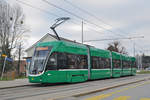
(10, 78)
(144, 72)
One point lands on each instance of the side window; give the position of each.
(83, 63)
(107, 63)
(116, 63)
(66, 61)
(125, 64)
(62, 61)
(77, 61)
(71, 61)
(52, 62)
(95, 63)
(102, 63)
(129, 64)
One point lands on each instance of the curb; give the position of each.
(107, 88)
(17, 86)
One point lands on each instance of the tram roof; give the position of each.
(74, 48)
(116, 55)
(65, 46)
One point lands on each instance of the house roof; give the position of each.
(48, 34)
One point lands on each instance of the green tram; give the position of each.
(61, 61)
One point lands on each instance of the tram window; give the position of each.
(52, 62)
(82, 59)
(104, 63)
(66, 61)
(107, 63)
(71, 61)
(62, 61)
(116, 63)
(76, 61)
(101, 63)
(95, 63)
(125, 64)
(129, 64)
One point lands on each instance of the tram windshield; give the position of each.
(39, 59)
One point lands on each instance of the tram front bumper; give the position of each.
(35, 79)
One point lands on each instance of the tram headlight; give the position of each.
(40, 72)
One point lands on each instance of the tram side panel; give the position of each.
(116, 64)
(134, 66)
(75, 60)
(126, 65)
(100, 64)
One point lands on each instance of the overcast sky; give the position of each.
(119, 18)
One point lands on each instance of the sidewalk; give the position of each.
(14, 83)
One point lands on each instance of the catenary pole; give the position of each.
(82, 33)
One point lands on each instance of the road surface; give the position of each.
(138, 91)
(58, 91)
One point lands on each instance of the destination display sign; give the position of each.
(42, 48)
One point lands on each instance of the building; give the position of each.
(46, 38)
(145, 61)
(22, 68)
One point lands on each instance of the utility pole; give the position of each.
(141, 62)
(138, 61)
(133, 49)
(82, 32)
(19, 54)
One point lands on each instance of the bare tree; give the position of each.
(117, 47)
(18, 54)
(12, 27)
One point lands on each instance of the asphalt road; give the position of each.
(39, 92)
(138, 91)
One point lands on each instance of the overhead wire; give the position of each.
(85, 11)
(42, 10)
(81, 18)
(45, 11)
(90, 14)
